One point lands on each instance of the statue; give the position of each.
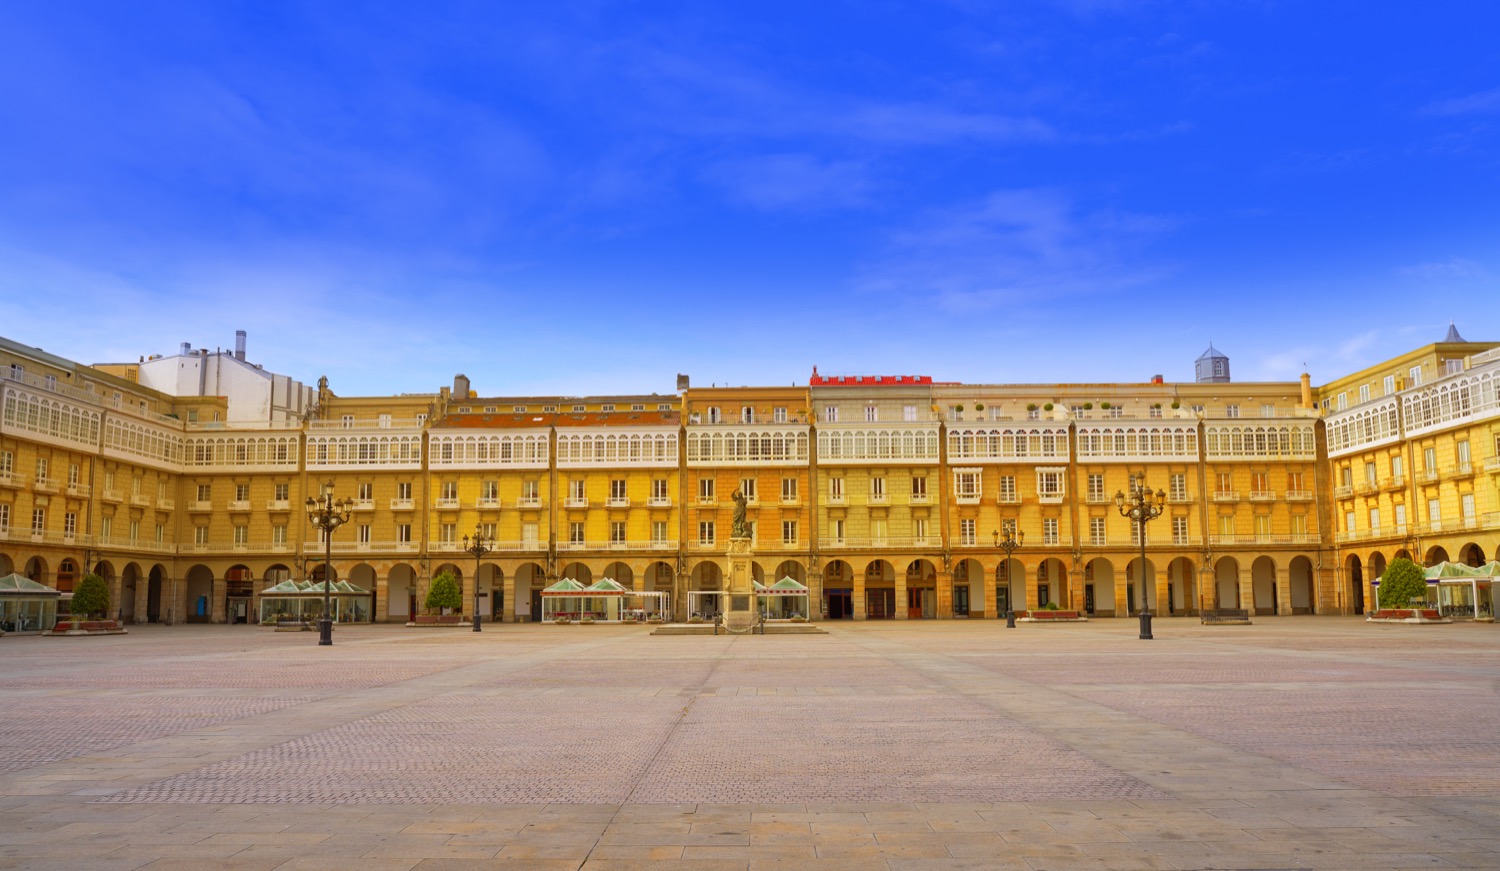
(740, 529)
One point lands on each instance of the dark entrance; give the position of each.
(840, 604)
(1088, 598)
(536, 606)
(961, 601)
(153, 597)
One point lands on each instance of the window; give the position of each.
(1008, 528)
(74, 474)
(205, 492)
(1429, 460)
(1348, 522)
(529, 534)
(966, 484)
(1267, 410)
(1260, 482)
(241, 535)
(919, 530)
(1464, 458)
(1049, 483)
(617, 532)
(1049, 530)
(1400, 518)
(7, 465)
(747, 414)
(747, 487)
(283, 492)
(1096, 531)
(1096, 488)
(658, 531)
(1414, 376)
(448, 491)
(608, 406)
(1179, 530)
(1374, 519)
(242, 492)
(1155, 411)
(1342, 401)
(788, 489)
(877, 489)
(1396, 467)
(871, 414)
(1389, 384)
(1346, 476)
(347, 421)
(575, 532)
(41, 468)
(1033, 414)
(70, 524)
(1370, 474)
(1262, 526)
(919, 488)
(831, 414)
(403, 533)
(489, 492)
(1466, 505)
(448, 533)
(1177, 487)
(835, 489)
(659, 490)
(778, 414)
(1224, 482)
(106, 524)
(838, 532)
(1008, 488)
(1364, 393)
(1226, 525)
(788, 532)
(617, 490)
(1299, 524)
(200, 535)
(966, 532)
(705, 532)
(576, 491)
(278, 534)
(362, 533)
(664, 406)
(578, 408)
(705, 489)
(908, 412)
(955, 412)
(1231, 411)
(530, 493)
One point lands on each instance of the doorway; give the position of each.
(921, 603)
(840, 605)
(961, 601)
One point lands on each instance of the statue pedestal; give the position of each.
(739, 588)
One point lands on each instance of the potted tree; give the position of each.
(1403, 594)
(443, 601)
(90, 607)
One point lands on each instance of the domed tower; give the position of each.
(1212, 366)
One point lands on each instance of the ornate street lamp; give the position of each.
(1142, 506)
(327, 515)
(479, 547)
(1012, 540)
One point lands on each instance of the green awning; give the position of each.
(564, 587)
(607, 586)
(303, 588)
(15, 584)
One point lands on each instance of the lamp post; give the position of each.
(1009, 543)
(327, 515)
(479, 547)
(1142, 506)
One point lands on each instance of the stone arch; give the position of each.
(363, 575)
(36, 569)
(790, 568)
(621, 573)
(1140, 585)
(657, 577)
(921, 591)
(400, 593)
(1402, 553)
(1051, 583)
(1099, 587)
(1010, 586)
(1299, 580)
(838, 590)
(707, 576)
(879, 572)
(527, 582)
(757, 573)
(130, 578)
(1354, 571)
(880, 590)
(579, 572)
(1263, 579)
(968, 588)
(1471, 554)
(200, 594)
(1435, 554)
(7, 565)
(491, 586)
(1227, 583)
(1182, 586)
(67, 575)
(238, 605)
(155, 579)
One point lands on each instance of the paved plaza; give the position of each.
(1304, 742)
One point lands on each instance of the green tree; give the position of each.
(444, 593)
(92, 597)
(1403, 581)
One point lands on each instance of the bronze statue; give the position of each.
(741, 529)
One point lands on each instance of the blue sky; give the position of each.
(593, 197)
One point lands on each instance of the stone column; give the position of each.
(1161, 600)
(945, 595)
(1283, 591)
(1247, 591)
(857, 595)
(382, 593)
(900, 594)
(217, 605)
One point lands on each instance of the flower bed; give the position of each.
(437, 620)
(1049, 616)
(86, 627)
(1408, 615)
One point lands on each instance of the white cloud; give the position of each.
(1471, 104)
(795, 181)
(1443, 270)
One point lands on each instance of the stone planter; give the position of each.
(437, 620)
(1044, 616)
(86, 627)
(1407, 615)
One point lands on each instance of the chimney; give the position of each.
(1307, 400)
(187, 348)
(682, 382)
(460, 387)
(1157, 379)
(239, 345)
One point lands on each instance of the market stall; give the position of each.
(302, 601)
(27, 606)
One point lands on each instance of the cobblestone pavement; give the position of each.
(1293, 743)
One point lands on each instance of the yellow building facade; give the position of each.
(889, 496)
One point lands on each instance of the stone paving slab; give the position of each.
(882, 745)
